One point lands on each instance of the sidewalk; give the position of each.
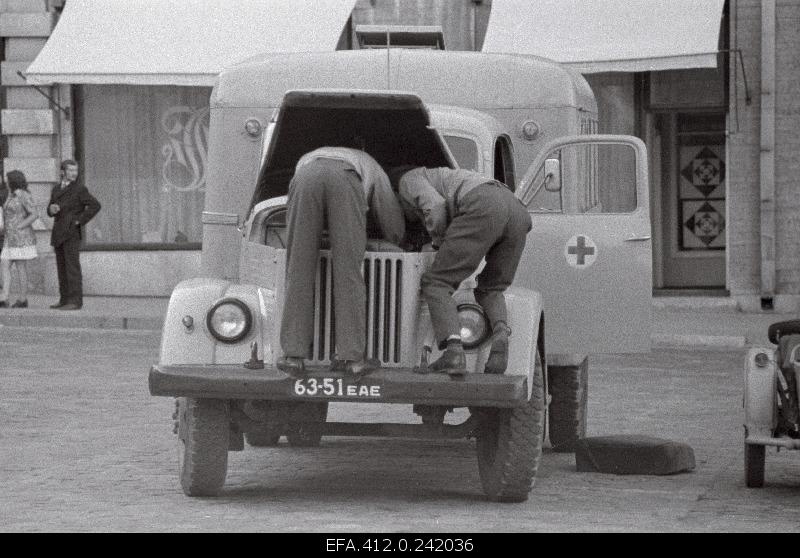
(98, 312)
(699, 322)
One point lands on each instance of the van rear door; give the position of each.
(589, 252)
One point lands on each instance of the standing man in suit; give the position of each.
(72, 206)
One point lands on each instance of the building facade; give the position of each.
(722, 147)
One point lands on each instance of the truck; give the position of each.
(583, 285)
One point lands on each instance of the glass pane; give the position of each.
(701, 182)
(144, 157)
(615, 179)
(465, 151)
(593, 178)
(275, 229)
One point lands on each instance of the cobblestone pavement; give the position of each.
(84, 447)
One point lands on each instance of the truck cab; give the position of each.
(582, 286)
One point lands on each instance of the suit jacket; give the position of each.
(77, 207)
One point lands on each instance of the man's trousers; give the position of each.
(492, 223)
(68, 265)
(325, 192)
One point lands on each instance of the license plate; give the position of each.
(335, 387)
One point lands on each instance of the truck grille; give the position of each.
(383, 281)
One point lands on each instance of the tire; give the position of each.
(203, 438)
(569, 391)
(306, 434)
(754, 457)
(509, 445)
(263, 438)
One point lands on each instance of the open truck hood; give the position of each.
(394, 127)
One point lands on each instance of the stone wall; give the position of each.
(29, 124)
(744, 244)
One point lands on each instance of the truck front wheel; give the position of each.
(509, 445)
(569, 389)
(203, 437)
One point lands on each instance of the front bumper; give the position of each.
(391, 385)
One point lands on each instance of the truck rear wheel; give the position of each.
(509, 445)
(754, 457)
(305, 433)
(203, 437)
(569, 390)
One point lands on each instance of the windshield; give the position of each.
(464, 150)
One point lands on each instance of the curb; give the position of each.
(55, 320)
(84, 321)
(696, 303)
(717, 341)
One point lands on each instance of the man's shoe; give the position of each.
(20, 304)
(453, 361)
(293, 366)
(3, 304)
(71, 306)
(498, 355)
(57, 305)
(356, 369)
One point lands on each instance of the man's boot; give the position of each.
(356, 369)
(498, 355)
(453, 361)
(293, 366)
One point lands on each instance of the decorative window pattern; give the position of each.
(701, 177)
(144, 156)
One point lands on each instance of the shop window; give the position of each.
(144, 156)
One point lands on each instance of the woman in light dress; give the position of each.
(19, 213)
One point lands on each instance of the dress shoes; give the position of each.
(3, 304)
(453, 361)
(356, 369)
(59, 304)
(71, 306)
(20, 304)
(498, 354)
(293, 366)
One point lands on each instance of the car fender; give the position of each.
(524, 318)
(760, 389)
(193, 344)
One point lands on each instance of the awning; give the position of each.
(179, 42)
(609, 35)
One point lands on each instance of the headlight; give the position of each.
(474, 325)
(229, 320)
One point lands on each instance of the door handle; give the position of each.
(638, 238)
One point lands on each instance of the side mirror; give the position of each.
(552, 175)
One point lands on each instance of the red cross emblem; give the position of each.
(580, 251)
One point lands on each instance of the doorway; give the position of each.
(690, 210)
